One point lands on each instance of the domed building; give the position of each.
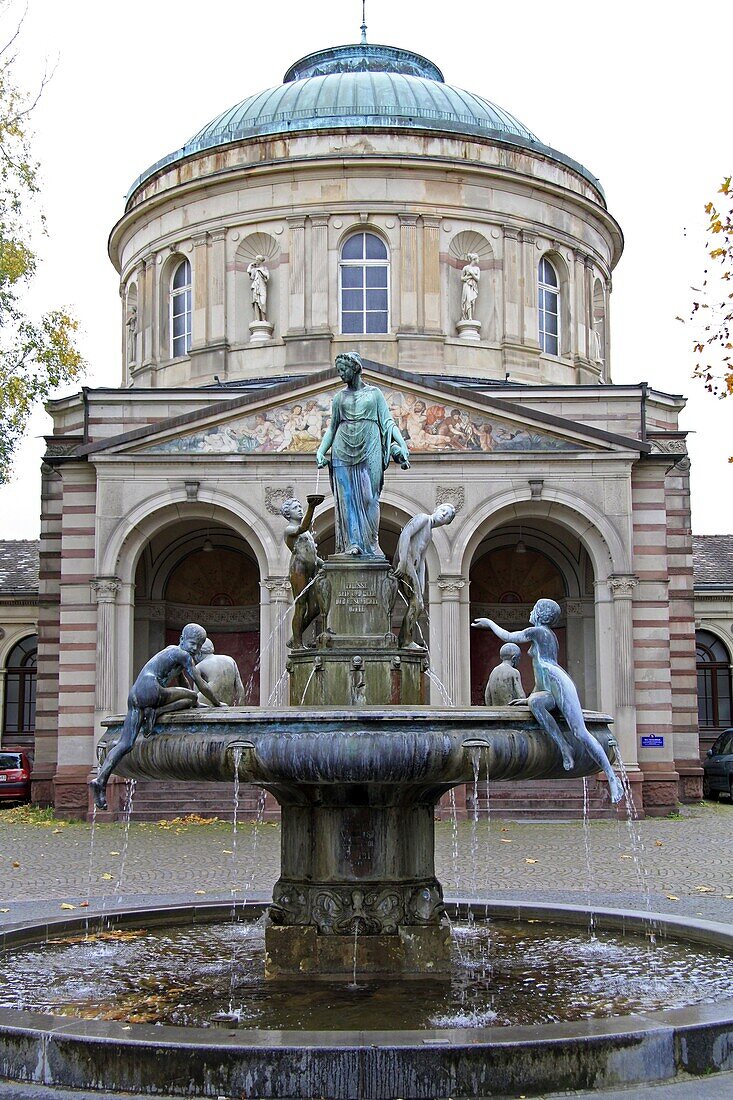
(364, 204)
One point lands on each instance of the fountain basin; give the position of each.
(458, 1062)
(358, 789)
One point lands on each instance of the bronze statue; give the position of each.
(409, 567)
(305, 565)
(150, 696)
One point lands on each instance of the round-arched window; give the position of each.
(548, 301)
(713, 681)
(181, 310)
(19, 711)
(364, 285)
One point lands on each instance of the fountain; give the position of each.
(358, 762)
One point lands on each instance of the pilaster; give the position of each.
(105, 591)
(200, 276)
(319, 303)
(296, 304)
(408, 315)
(431, 274)
(454, 647)
(274, 630)
(622, 593)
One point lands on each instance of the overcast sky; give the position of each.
(636, 92)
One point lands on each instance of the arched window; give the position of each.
(181, 310)
(549, 308)
(713, 681)
(364, 284)
(19, 718)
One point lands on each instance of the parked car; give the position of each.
(718, 767)
(15, 777)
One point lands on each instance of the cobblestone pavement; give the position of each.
(685, 863)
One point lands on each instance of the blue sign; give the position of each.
(652, 742)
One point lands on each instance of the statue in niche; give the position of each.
(221, 674)
(150, 696)
(309, 593)
(596, 345)
(505, 683)
(409, 568)
(131, 326)
(259, 277)
(470, 278)
(554, 690)
(362, 438)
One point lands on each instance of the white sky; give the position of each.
(637, 92)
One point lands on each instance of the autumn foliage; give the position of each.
(713, 310)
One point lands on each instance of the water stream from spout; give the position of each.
(307, 685)
(263, 649)
(454, 836)
(476, 767)
(354, 984)
(237, 759)
(92, 838)
(274, 696)
(639, 855)
(588, 859)
(130, 786)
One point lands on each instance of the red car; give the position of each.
(15, 777)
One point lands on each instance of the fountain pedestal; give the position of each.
(356, 660)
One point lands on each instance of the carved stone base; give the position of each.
(260, 332)
(417, 951)
(371, 908)
(469, 330)
(341, 676)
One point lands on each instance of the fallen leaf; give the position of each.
(659, 843)
(530, 861)
(623, 856)
(228, 851)
(107, 876)
(671, 897)
(83, 904)
(114, 853)
(504, 840)
(199, 891)
(728, 897)
(705, 889)
(4, 910)
(65, 905)
(15, 863)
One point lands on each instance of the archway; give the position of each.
(188, 572)
(19, 705)
(514, 566)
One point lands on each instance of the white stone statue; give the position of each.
(259, 276)
(131, 325)
(222, 676)
(596, 345)
(470, 277)
(505, 683)
(409, 567)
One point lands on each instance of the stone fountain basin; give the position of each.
(429, 749)
(425, 1065)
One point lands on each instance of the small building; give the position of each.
(366, 205)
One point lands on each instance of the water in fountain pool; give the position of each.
(503, 973)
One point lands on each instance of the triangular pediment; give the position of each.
(436, 418)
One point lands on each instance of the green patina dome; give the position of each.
(357, 87)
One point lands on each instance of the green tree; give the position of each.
(712, 312)
(36, 354)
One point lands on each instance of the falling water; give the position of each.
(444, 693)
(307, 685)
(454, 836)
(476, 766)
(237, 759)
(354, 984)
(318, 480)
(588, 862)
(274, 696)
(91, 863)
(638, 851)
(263, 649)
(488, 850)
(130, 786)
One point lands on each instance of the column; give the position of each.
(274, 632)
(319, 273)
(454, 658)
(408, 273)
(431, 275)
(512, 289)
(105, 591)
(217, 311)
(580, 331)
(296, 305)
(529, 319)
(622, 587)
(200, 275)
(147, 312)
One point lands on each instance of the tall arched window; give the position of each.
(181, 310)
(549, 308)
(713, 681)
(19, 718)
(364, 284)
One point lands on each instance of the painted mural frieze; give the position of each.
(428, 427)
